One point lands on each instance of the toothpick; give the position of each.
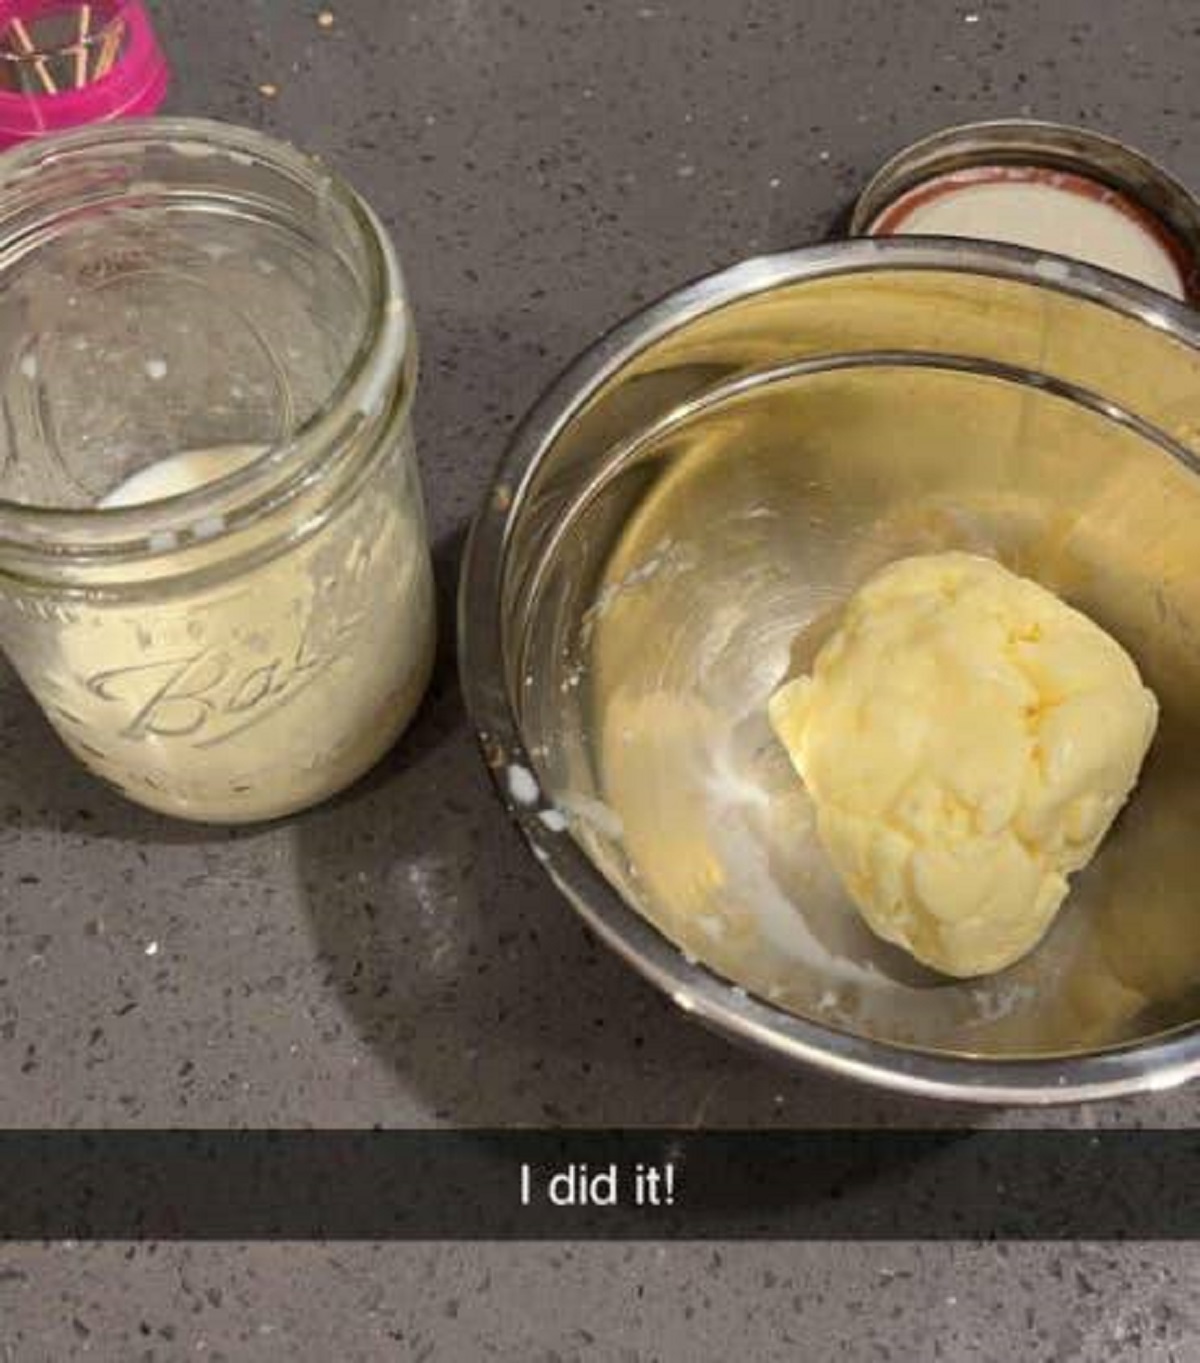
(109, 49)
(25, 43)
(81, 51)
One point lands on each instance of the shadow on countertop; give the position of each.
(459, 962)
(451, 951)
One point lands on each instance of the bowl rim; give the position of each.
(1152, 1065)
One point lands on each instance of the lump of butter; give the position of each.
(967, 739)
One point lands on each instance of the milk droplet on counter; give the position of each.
(29, 366)
(156, 369)
(522, 785)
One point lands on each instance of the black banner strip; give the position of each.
(599, 1185)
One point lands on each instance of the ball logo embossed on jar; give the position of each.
(211, 695)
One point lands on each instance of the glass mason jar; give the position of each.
(214, 569)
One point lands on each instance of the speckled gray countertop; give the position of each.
(396, 957)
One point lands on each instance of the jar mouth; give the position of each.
(364, 394)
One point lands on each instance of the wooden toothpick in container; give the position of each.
(21, 41)
(81, 46)
(64, 64)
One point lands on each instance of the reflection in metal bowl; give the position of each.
(690, 507)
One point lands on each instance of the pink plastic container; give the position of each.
(64, 64)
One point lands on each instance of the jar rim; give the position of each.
(384, 351)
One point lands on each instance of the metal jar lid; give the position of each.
(1076, 159)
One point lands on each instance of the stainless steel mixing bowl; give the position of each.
(674, 529)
